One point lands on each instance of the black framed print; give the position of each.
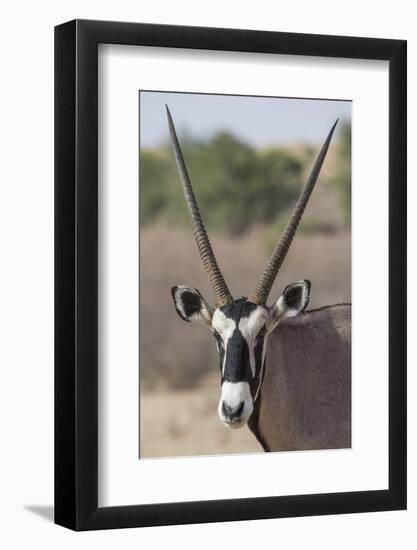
(230, 255)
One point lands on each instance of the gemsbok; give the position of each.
(286, 372)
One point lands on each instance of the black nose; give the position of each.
(232, 412)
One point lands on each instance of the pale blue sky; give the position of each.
(259, 121)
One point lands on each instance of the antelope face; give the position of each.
(240, 330)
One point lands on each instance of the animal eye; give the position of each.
(260, 334)
(217, 336)
(219, 341)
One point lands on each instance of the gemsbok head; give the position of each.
(241, 327)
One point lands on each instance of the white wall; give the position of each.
(26, 289)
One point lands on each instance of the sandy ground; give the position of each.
(185, 423)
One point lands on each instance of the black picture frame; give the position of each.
(76, 272)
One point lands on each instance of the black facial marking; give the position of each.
(220, 348)
(237, 359)
(259, 346)
(217, 336)
(239, 309)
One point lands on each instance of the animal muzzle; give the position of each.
(236, 404)
(232, 414)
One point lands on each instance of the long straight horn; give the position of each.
(217, 282)
(261, 292)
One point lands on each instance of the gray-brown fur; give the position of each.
(305, 399)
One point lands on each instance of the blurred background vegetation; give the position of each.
(239, 186)
(343, 170)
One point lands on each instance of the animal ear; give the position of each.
(292, 301)
(190, 305)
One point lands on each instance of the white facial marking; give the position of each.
(225, 327)
(249, 328)
(233, 394)
(223, 324)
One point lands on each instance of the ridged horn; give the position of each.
(262, 290)
(221, 292)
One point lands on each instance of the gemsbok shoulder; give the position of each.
(285, 371)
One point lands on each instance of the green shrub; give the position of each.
(343, 170)
(236, 185)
